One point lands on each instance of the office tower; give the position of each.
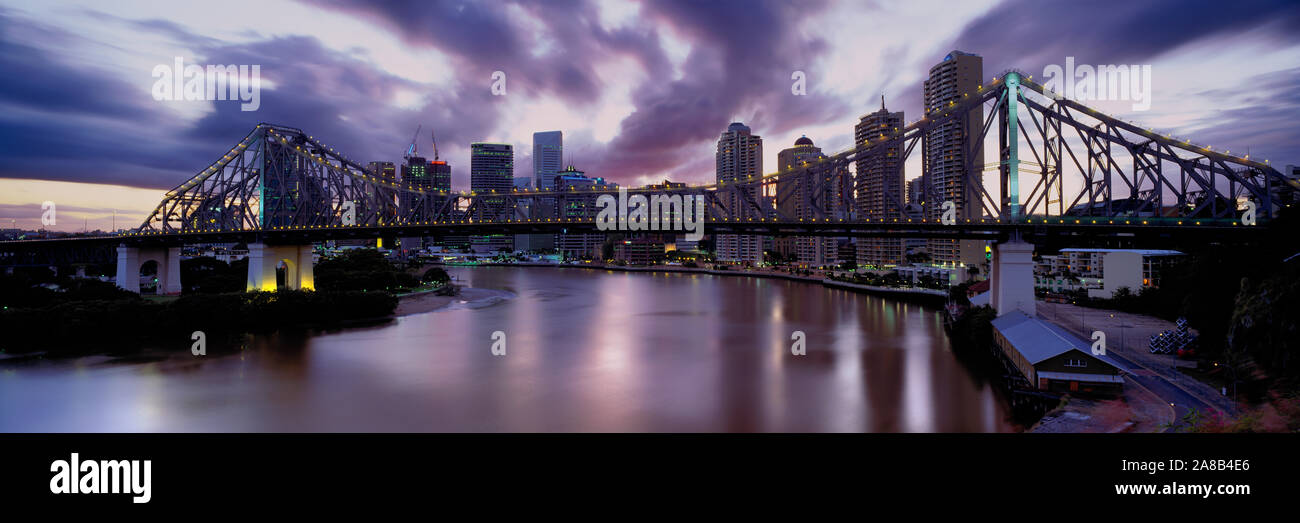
(415, 172)
(387, 172)
(526, 207)
(438, 187)
(413, 205)
(795, 193)
(548, 158)
(666, 235)
(491, 168)
(879, 184)
(739, 159)
(952, 172)
(577, 202)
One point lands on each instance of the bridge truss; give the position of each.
(1073, 160)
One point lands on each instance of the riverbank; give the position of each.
(419, 303)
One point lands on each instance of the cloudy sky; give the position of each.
(641, 90)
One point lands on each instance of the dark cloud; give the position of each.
(1030, 34)
(740, 65)
(78, 124)
(65, 121)
(1263, 122)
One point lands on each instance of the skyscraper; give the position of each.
(739, 158)
(387, 172)
(577, 204)
(491, 168)
(952, 172)
(879, 184)
(548, 158)
(413, 205)
(795, 192)
(415, 174)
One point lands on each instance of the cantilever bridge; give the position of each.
(1090, 175)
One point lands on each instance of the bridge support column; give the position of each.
(264, 259)
(1012, 278)
(131, 259)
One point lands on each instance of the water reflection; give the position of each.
(587, 351)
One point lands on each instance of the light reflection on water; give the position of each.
(587, 351)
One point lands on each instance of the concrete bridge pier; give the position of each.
(264, 259)
(131, 259)
(1012, 277)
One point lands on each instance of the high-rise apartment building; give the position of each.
(953, 172)
(491, 168)
(739, 158)
(795, 200)
(879, 184)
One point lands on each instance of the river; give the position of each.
(584, 350)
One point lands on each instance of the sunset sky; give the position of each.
(640, 89)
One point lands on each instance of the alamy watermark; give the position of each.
(1083, 83)
(77, 476)
(658, 212)
(178, 81)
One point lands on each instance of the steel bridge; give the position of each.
(1089, 175)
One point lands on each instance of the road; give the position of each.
(1169, 386)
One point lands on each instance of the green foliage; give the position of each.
(1263, 321)
(87, 326)
(975, 327)
(361, 270)
(21, 290)
(957, 293)
(210, 276)
(436, 275)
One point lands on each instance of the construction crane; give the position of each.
(434, 137)
(410, 149)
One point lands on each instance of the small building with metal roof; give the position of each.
(1052, 358)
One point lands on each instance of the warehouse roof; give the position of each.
(1038, 340)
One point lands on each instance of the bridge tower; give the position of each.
(263, 260)
(1011, 277)
(131, 259)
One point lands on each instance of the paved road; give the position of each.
(1161, 387)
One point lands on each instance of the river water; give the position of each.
(585, 350)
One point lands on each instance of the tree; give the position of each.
(436, 275)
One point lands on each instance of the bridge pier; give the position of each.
(131, 259)
(1012, 278)
(264, 259)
